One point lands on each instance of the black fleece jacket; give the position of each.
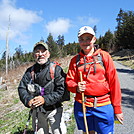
(52, 93)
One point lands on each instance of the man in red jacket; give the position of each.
(100, 85)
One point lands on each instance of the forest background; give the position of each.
(122, 38)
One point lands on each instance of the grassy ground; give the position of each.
(13, 122)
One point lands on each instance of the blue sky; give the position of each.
(32, 19)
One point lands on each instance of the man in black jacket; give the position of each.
(39, 92)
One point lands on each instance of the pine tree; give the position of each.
(60, 43)
(53, 47)
(125, 29)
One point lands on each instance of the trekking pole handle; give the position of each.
(81, 79)
(83, 106)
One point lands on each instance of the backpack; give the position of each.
(66, 95)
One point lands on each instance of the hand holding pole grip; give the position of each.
(83, 106)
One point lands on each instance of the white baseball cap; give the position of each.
(86, 29)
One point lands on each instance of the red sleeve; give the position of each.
(112, 77)
(72, 78)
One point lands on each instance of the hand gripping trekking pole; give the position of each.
(83, 106)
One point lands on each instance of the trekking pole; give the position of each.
(83, 106)
(36, 120)
(27, 123)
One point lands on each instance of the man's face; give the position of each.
(41, 54)
(86, 41)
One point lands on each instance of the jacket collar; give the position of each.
(38, 67)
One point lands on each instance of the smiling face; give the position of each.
(41, 54)
(86, 42)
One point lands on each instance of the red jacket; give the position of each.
(101, 81)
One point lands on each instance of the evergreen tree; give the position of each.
(95, 29)
(53, 47)
(71, 48)
(18, 52)
(125, 29)
(99, 41)
(106, 41)
(60, 43)
(4, 55)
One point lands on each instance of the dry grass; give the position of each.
(64, 62)
(126, 57)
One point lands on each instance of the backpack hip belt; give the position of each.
(95, 99)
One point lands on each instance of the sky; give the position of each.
(25, 22)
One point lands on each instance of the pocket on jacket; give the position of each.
(97, 89)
